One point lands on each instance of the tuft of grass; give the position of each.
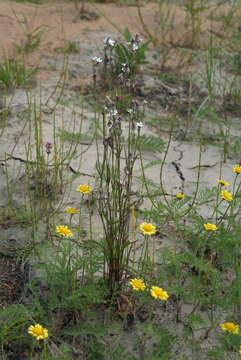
(70, 47)
(32, 41)
(14, 73)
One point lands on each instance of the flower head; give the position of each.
(159, 293)
(240, 349)
(109, 42)
(113, 112)
(230, 327)
(64, 231)
(139, 125)
(130, 111)
(226, 195)
(211, 227)
(237, 169)
(71, 210)
(134, 45)
(180, 195)
(96, 60)
(48, 147)
(147, 228)
(84, 189)
(223, 183)
(125, 68)
(137, 284)
(38, 331)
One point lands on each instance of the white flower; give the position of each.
(109, 42)
(113, 112)
(130, 111)
(110, 124)
(134, 45)
(125, 68)
(139, 125)
(96, 60)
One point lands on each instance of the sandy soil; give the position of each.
(59, 21)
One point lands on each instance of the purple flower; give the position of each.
(108, 141)
(48, 147)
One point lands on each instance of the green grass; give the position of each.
(14, 73)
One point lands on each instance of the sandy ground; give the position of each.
(60, 21)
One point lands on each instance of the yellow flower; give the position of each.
(71, 210)
(180, 196)
(38, 331)
(137, 284)
(230, 327)
(240, 349)
(211, 227)
(223, 183)
(84, 189)
(147, 228)
(64, 231)
(237, 169)
(159, 293)
(226, 195)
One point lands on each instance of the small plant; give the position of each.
(115, 187)
(133, 55)
(14, 73)
(121, 61)
(31, 42)
(193, 9)
(70, 47)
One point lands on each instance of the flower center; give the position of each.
(230, 327)
(147, 228)
(38, 330)
(65, 231)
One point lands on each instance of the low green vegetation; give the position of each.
(14, 73)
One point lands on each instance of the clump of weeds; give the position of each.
(15, 73)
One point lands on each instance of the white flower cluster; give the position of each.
(134, 43)
(139, 125)
(113, 113)
(96, 60)
(109, 42)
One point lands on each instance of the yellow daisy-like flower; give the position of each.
(240, 349)
(180, 196)
(211, 227)
(84, 189)
(137, 284)
(71, 210)
(226, 195)
(64, 231)
(230, 327)
(147, 228)
(223, 183)
(237, 169)
(38, 331)
(159, 293)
